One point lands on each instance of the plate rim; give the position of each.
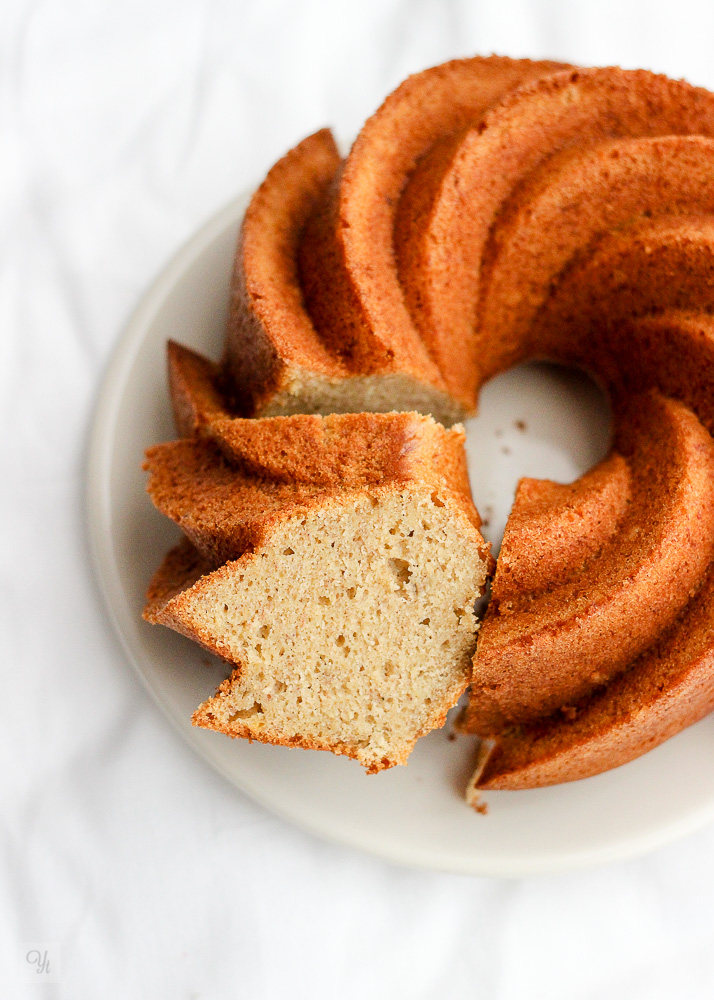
(97, 501)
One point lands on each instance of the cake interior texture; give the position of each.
(352, 628)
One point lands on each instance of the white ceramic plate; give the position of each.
(535, 420)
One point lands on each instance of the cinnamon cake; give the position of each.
(491, 211)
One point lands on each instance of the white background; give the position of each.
(124, 125)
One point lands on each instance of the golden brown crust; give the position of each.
(490, 81)
(183, 566)
(345, 449)
(549, 646)
(225, 505)
(651, 266)
(554, 530)
(672, 350)
(271, 339)
(196, 388)
(573, 107)
(222, 511)
(464, 133)
(669, 688)
(560, 211)
(347, 262)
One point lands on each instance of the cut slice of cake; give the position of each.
(338, 449)
(345, 602)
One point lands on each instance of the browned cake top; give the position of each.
(491, 211)
(224, 492)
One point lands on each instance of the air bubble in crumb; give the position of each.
(401, 570)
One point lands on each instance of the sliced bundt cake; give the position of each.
(490, 212)
(344, 598)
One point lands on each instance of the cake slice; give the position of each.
(338, 449)
(345, 603)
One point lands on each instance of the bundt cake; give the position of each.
(491, 211)
(343, 597)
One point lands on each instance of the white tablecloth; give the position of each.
(123, 856)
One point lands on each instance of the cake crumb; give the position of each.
(520, 425)
(481, 808)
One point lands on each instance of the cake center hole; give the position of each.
(538, 420)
